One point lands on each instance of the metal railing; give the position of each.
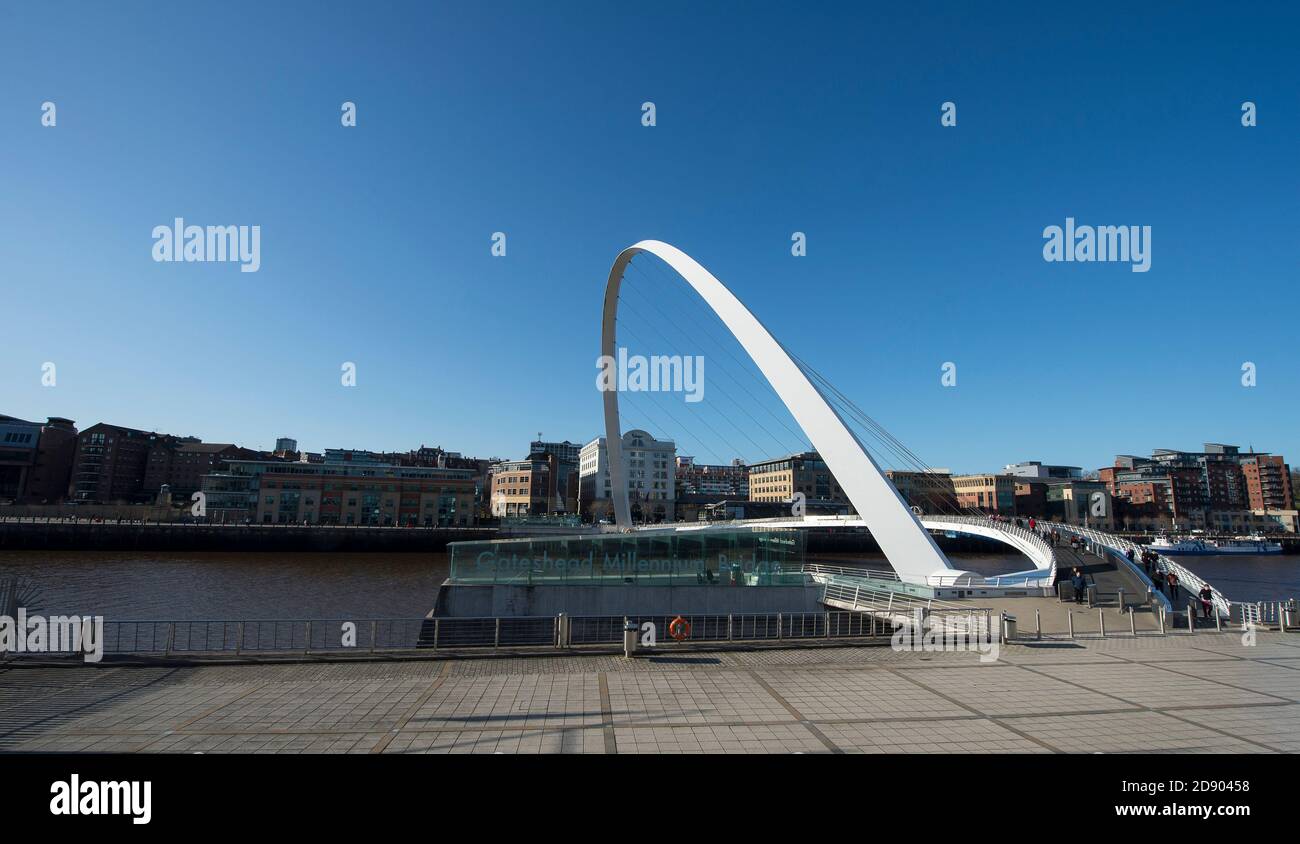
(860, 596)
(732, 627)
(260, 635)
(1262, 613)
(360, 636)
(1029, 541)
(851, 571)
(1187, 580)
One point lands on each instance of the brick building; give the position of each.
(340, 493)
(992, 493)
(1201, 489)
(780, 478)
(110, 464)
(181, 464)
(1268, 482)
(36, 459)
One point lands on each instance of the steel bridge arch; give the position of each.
(909, 548)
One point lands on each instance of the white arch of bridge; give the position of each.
(910, 549)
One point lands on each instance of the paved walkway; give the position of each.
(1203, 692)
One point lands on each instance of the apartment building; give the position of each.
(649, 467)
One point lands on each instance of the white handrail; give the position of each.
(1186, 579)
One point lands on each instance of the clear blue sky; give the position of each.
(924, 243)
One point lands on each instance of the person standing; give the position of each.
(1079, 584)
(1172, 580)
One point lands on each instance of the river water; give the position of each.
(244, 585)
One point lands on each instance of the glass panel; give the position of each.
(734, 557)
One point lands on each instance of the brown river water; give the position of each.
(250, 585)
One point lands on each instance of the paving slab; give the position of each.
(1177, 694)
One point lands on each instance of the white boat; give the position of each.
(1191, 546)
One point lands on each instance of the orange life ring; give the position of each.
(679, 628)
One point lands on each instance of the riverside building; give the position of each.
(649, 465)
(341, 493)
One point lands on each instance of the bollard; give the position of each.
(1191, 618)
(1162, 621)
(1132, 622)
(629, 637)
(1120, 594)
(1069, 616)
(1218, 622)
(374, 625)
(306, 648)
(1038, 625)
(1101, 619)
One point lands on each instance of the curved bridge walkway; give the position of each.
(1110, 569)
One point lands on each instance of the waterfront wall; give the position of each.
(500, 600)
(111, 536)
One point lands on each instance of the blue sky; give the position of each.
(924, 242)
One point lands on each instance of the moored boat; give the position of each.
(1191, 546)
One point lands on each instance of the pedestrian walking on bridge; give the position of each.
(1207, 600)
